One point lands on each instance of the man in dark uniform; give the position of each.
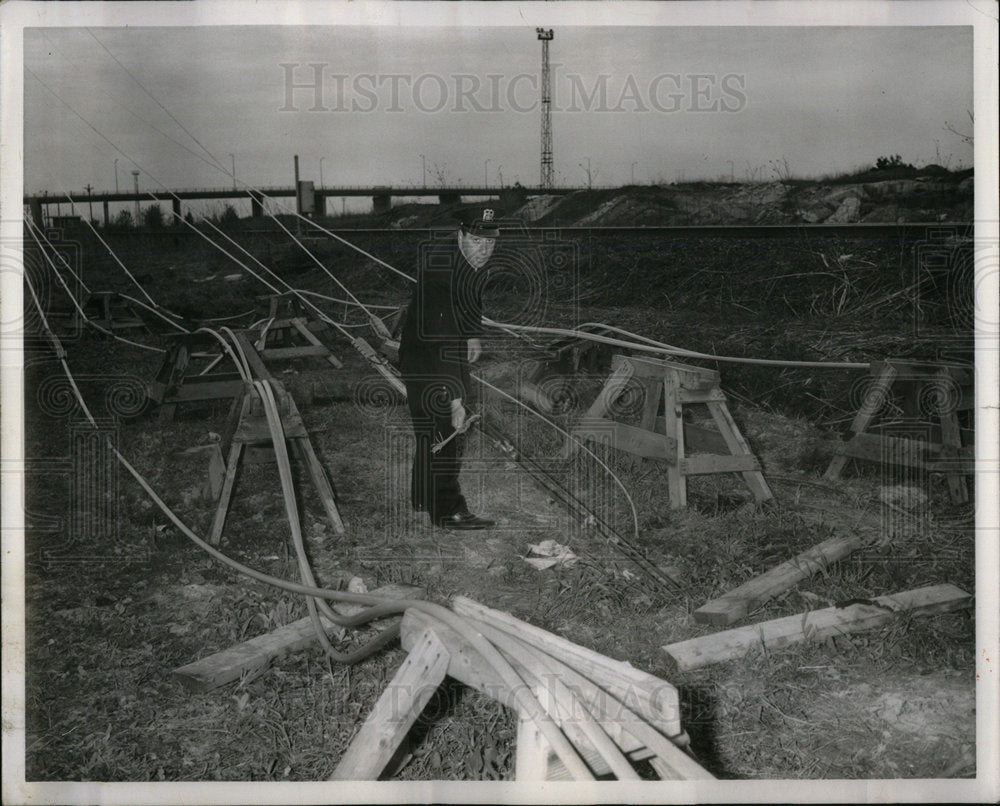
(440, 338)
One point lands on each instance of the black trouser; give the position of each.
(434, 482)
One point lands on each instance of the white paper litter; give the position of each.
(549, 553)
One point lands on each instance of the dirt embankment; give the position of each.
(888, 196)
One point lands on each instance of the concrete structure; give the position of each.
(381, 196)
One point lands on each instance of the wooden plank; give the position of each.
(737, 603)
(257, 653)
(628, 438)
(655, 699)
(873, 401)
(690, 376)
(395, 711)
(304, 450)
(254, 428)
(307, 334)
(951, 445)
(909, 370)
(654, 391)
(601, 406)
(314, 325)
(530, 393)
(712, 395)
(468, 667)
(931, 433)
(302, 351)
(897, 450)
(706, 463)
(531, 762)
(566, 706)
(813, 625)
(205, 389)
(629, 731)
(754, 479)
(673, 427)
(222, 508)
(257, 366)
(251, 656)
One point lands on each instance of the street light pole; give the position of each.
(233, 158)
(321, 171)
(486, 176)
(90, 201)
(116, 175)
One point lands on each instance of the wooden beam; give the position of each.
(258, 653)
(900, 450)
(655, 699)
(629, 731)
(710, 395)
(468, 667)
(628, 438)
(690, 376)
(754, 479)
(813, 625)
(737, 603)
(874, 399)
(706, 463)
(532, 751)
(307, 334)
(301, 351)
(395, 711)
(305, 452)
(206, 387)
(253, 357)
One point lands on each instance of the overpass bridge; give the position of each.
(381, 196)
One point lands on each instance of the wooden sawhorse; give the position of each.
(111, 311)
(920, 393)
(181, 377)
(669, 438)
(290, 332)
(247, 428)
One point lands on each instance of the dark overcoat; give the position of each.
(446, 310)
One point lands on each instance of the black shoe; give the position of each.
(464, 520)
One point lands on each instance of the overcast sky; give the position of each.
(662, 103)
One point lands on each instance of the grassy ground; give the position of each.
(116, 597)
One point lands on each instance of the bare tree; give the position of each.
(963, 136)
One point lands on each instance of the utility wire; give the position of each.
(156, 101)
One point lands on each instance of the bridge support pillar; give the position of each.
(256, 206)
(381, 203)
(449, 198)
(320, 204)
(106, 214)
(36, 212)
(175, 204)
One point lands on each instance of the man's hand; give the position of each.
(457, 414)
(475, 350)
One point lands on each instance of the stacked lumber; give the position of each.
(612, 714)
